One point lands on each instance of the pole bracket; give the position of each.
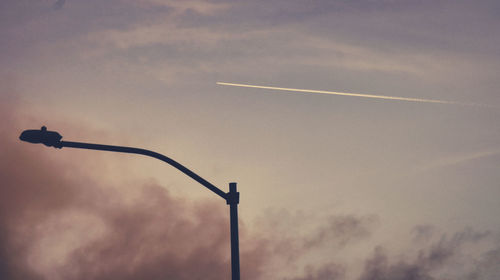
(233, 196)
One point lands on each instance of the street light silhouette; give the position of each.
(53, 139)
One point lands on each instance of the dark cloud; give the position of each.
(488, 266)
(422, 233)
(341, 230)
(329, 271)
(428, 263)
(291, 238)
(59, 4)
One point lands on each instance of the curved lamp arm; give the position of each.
(149, 153)
(53, 139)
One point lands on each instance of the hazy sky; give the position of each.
(332, 187)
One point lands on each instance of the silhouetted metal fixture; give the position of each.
(53, 139)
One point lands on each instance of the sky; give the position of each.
(332, 187)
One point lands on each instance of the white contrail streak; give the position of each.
(346, 94)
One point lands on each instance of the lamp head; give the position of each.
(48, 138)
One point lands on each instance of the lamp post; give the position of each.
(53, 139)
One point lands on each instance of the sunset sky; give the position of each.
(332, 187)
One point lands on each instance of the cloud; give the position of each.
(59, 4)
(305, 246)
(423, 233)
(341, 230)
(436, 261)
(487, 267)
(330, 271)
(171, 41)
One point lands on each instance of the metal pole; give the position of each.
(145, 152)
(233, 198)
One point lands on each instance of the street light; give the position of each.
(53, 139)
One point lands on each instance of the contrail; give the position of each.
(350, 94)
